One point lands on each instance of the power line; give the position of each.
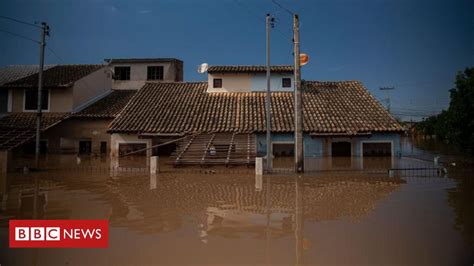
(19, 36)
(55, 54)
(21, 21)
(256, 16)
(284, 8)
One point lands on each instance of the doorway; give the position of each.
(341, 149)
(283, 153)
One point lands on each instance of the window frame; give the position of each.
(156, 76)
(214, 83)
(36, 90)
(283, 82)
(123, 67)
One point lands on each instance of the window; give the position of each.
(286, 82)
(103, 147)
(3, 101)
(31, 99)
(85, 147)
(155, 73)
(122, 73)
(217, 83)
(138, 148)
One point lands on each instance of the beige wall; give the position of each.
(118, 138)
(67, 99)
(245, 82)
(60, 100)
(65, 136)
(90, 87)
(231, 82)
(172, 71)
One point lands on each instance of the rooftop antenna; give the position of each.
(202, 68)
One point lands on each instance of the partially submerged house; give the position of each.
(12, 73)
(224, 118)
(79, 102)
(66, 89)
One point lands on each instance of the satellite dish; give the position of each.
(304, 59)
(202, 68)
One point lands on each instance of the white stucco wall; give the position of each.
(259, 82)
(246, 82)
(91, 86)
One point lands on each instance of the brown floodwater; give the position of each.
(350, 213)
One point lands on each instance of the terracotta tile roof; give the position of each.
(15, 72)
(19, 128)
(107, 107)
(328, 107)
(248, 69)
(57, 76)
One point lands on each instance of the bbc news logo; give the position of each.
(59, 233)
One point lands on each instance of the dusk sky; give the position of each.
(415, 46)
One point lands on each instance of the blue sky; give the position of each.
(415, 46)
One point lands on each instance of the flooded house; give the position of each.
(79, 102)
(9, 74)
(66, 89)
(222, 121)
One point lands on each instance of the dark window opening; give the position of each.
(138, 148)
(3, 101)
(377, 149)
(103, 147)
(155, 73)
(163, 150)
(132, 160)
(30, 147)
(341, 149)
(283, 149)
(122, 73)
(85, 146)
(31, 99)
(286, 82)
(217, 83)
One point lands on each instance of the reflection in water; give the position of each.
(461, 199)
(234, 218)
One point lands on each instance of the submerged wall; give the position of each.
(321, 146)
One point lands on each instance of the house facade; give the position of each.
(66, 89)
(340, 118)
(132, 74)
(79, 102)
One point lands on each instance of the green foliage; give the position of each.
(456, 125)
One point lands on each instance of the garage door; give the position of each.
(377, 149)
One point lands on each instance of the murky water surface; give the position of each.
(230, 217)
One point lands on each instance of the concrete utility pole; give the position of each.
(387, 89)
(44, 32)
(269, 166)
(299, 159)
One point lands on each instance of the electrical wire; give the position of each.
(260, 19)
(19, 36)
(21, 21)
(284, 8)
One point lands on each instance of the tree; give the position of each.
(461, 111)
(456, 124)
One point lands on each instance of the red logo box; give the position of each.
(59, 233)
